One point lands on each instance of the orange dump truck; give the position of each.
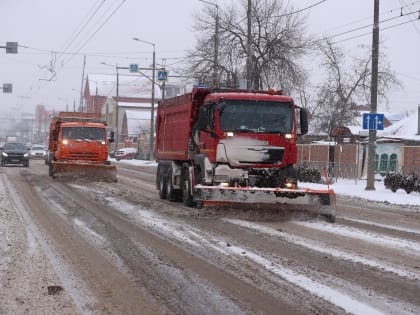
(78, 147)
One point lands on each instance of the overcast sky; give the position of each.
(43, 74)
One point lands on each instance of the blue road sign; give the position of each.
(134, 67)
(162, 75)
(373, 121)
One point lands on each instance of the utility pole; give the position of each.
(116, 109)
(248, 50)
(81, 89)
(373, 98)
(152, 113)
(216, 82)
(216, 50)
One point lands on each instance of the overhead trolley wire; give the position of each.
(70, 42)
(384, 28)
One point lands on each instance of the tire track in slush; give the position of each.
(347, 297)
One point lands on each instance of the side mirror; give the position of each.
(54, 135)
(303, 119)
(111, 136)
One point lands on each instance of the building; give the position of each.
(133, 93)
(345, 153)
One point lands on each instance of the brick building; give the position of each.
(134, 94)
(397, 150)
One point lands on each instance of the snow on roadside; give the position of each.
(353, 188)
(40, 267)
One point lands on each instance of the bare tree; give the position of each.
(346, 85)
(277, 43)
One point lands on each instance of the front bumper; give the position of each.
(15, 160)
(39, 156)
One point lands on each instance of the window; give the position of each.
(14, 146)
(393, 162)
(83, 133)
(256, 116)
(383, 167)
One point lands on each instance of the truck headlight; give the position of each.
(26, 155)
(4, 154)
(290, 184)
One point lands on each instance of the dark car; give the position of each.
(15, 153)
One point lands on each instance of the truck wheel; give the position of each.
(199, 176)
(170, 192)
(162, 186)
(187, 198)
(50, 170)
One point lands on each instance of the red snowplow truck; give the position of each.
(217, 146)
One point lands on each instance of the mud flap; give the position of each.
(92, 172)
(321, 202)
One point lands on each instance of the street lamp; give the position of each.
(152, 114)
(117, 98)
(216, 44)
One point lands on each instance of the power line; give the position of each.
(99, 28)
(369, 33)
(362, 27)
(382, 13)
(69, 43)
(291, 13)
(301, 10)
(369, 25)
(417, 30)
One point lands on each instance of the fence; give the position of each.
(350, 160)
(337, 160)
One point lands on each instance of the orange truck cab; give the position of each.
(78, 141)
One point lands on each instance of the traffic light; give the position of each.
(11, 47)
(7, 88)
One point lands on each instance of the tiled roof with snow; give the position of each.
(404, 129)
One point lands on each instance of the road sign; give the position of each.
(373, 121)
(162, 75)
(7, 88)
(11, 48)
(134, 67)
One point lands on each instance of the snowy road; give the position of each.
(118, 249)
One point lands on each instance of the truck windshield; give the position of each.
(256, 116)
(83, 133)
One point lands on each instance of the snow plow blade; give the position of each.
(92, 172)
(317, 201)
